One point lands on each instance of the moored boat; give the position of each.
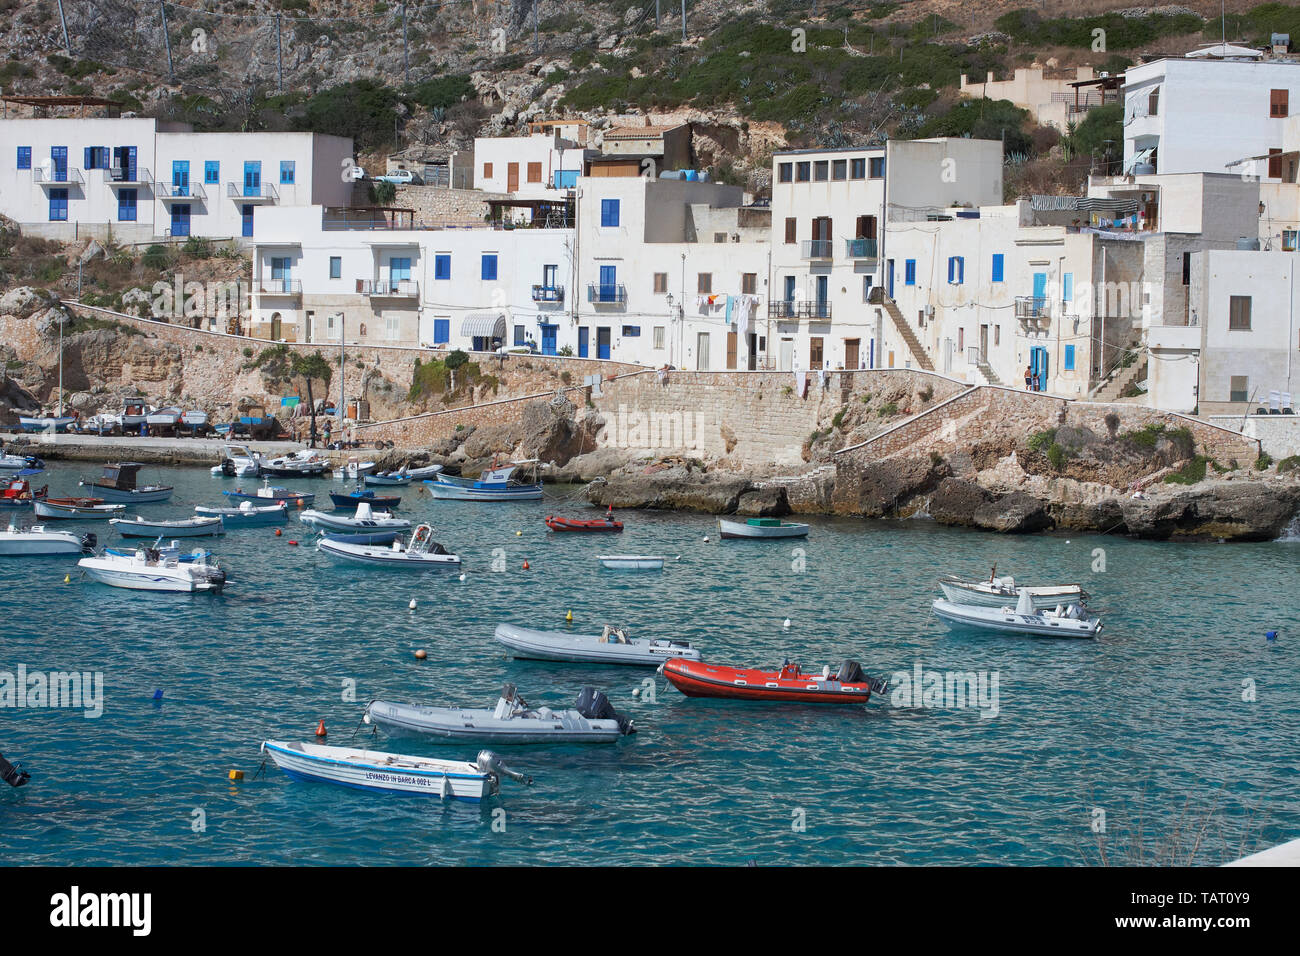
(36, 541)
(353, 469)
(422, 552)
(398, 773)
(358, 497)
(611, 646)
(363, 520)
(45, 423)
(18, 493)
(247, 515)
(26, 464)
(1002, 591)
(395, 479)
(238, 461)
(269, 494)
(631, 562)
(141, 527)
(119, 483)
(1070, 620)
(83, 509)
(761, 528)
(147, 569)
(789, 683)
(494, 484)
(591, 720)
(604, 523)
(304, 463)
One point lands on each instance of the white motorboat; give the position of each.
(421, 552)
(135, 413)
(353, 469)
(611, 646)
(1001, 591)
(393, 479)
(304, 463)
(80, 509)
(27, 464)
(141, 527)
(238, 461)
(419, 474)
(247, 515)
(36, 541)
(512, 721)
(1070, 620)
(104, 423)
(148, 570)
(761, 528)
(168, 417)
(364, 520)
(632, 562)
(375, 770)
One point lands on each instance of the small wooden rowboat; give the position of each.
(196, 527)
(605, 523)
(761, 528)
(84, 509)
(848, 685)
(631, 562)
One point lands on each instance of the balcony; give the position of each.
(798, 310)
(548, 293)
(169, 192)
(607, 294)
(261, 193)
(281, 287)
(860, 248)
(116, 176)
(815, 249)
(68, 177)
(1031, 307)
(382, 288)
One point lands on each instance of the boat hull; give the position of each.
(29, 545)
(388, 480)
(617, 562)
(1044, 598)
(442, 490)
(366, 770)
(377, 502)
(48, 509)
(1009, 622)
(697, 679)
(294, 499)
(740, 529)
(234, 518)
(197, 528)
(529, 644)
(580, 524)
(453, 723)
(122, 496)
(347, 525)
(385, 557)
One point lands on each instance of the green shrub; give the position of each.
(156, 257)
(1263, 461)
(1122, 33)
(1288, 464)
(197, 247)
(926, 394)
(1041, 441)
(838, 420)
(1191, 472)
(456, 359)
(887, 410)
(248, 353)
(1057, 456)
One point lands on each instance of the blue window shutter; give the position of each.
(442, 267)
(909, 272)
(441, 331)
(24, 157)
(997, 267)
(952, 263)
(1067, 287)
(1069, 358)
(489, 270)
(609, 212)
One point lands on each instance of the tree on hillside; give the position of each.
(312, 367)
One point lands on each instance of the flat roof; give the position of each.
(825, 149)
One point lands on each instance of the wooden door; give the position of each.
(512, 177)
(732, 346)
(851, 353)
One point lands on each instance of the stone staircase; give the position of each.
(985, 369)
(904, 329)
(1113, 388)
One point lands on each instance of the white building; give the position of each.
(143, 179)
(538, 166)
(1198, 114)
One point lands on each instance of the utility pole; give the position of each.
(63, 22)
(536, 41)
(406, 54)
(279, 57)
(167, 40)
(683, 21)
(342, 344)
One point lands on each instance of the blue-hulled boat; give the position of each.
(268, 495)
(119, 484)
(359, 496)
(495, 484)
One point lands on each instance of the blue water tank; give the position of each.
(692, 176)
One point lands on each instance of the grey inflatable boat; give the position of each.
(611, 646)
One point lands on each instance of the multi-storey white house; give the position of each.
(539, 166)
(142, 179)
(670, 272)
(1197, 114)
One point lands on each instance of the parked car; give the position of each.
(398, 177)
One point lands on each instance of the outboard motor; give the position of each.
(490, 763)
(228, 468)
(850, 672)
(594, 705)
(13, 774)
(88, 542)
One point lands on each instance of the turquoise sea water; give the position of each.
(1147, 724)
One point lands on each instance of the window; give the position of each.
(1067, 288)
(748, 283)
(791, 230)
(909, 272)
(1274, 163)
(802, 172)
(1153, 102)
(821, 171)
(441, 331)
(1279, 103)
(1187, 268)
(961, 340)
(442, 266)
(609, 212)
(519, 335)
(997, 335)
(659, 336)
(534, 172)
(661, 283)
(877, 167)
(704, 282)
(815, 352)
(58, 205)
(998, 266)
(212, 171)
(858, 168)
(392, 327)
(336, 267)
(867, 282)
(487, 170)
(287, 172)
(126, 205)
(1069, 358)
(956, 270)
(1238, 389)
(840, 170)
(24, 157)
(91, 157)
(1239, 313)
(784, 172)
(489, 271)
(1288, 240)
(631, 331)
(719, 237)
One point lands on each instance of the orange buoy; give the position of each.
(320, 728)
(421, 654)
(525, 565)
(278, 532)
(293, 542)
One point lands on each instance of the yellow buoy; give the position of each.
(236, 775)
(519, 534)
(569, 617)
(67, 579)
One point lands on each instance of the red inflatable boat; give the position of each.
(848, 685)
(606, 523)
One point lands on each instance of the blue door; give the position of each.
(124, 162)
(253, 178)
(441, 331)
(1038, 367)
(246, 219)
(181, 177)
(180, 219)
(823, 307)
(548, 339)
(608, 282)
(789, 296)
(59, 160)
(583, 350)
(889, 276)
(280, 273)
(602, 343)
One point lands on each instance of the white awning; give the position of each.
(1141, 156)
(487, 324)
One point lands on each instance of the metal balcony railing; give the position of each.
(55, 177)
(1031, 307)
(860, 248)
(167, 191)
(262, 192)
(607, 294)
(798, 310)
(401, 289)
(548, 293)
(815, 249)
(272, 286)
(116, 176)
